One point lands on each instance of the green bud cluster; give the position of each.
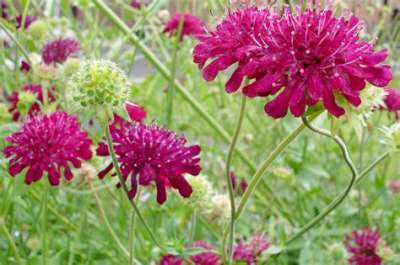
(99, 83)
(25, 101)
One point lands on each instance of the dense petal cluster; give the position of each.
(362, 246)
(28, 21)
(48, 143)
(149, 155)
(392, 99)
(192, 25)
(303, 57)
(250, 252)
(137, 4)
(208, 257)
(25, 66)
(58, 51)
(35, 108)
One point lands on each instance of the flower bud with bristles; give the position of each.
(99, 83)
(202, 192)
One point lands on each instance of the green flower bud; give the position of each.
(33, 243)
(219, 210)
(385, 251)
(25, 101)
(202, 192)
(99, 83)
(71, 66)
(37, 30)
(338, 253)
(48, 72)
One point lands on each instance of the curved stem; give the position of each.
(106, 222)
(229, 180)
(123, 184)
(267, 163)
(340, 198)
(10, 241)
(19, 45)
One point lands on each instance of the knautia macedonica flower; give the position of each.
(394, 186)
(136, 112)
(25, 66)
(392, 100)
(4, 10)
(28, 21)
(362, 245)
(251, 251)
(99, 83)
(303, 57)
(137, 4)
(192, 25)
(48, 143)
(58, 51)
(37, 92)
(148, 154)
(207, 257)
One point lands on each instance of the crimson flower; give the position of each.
(3, 10)
(35, 108)
(303, 57)
(58, 51)
(28, 21)
(149, 154)
(249, 252)
(242, 184)
(362, 245)
(48, 143)
(25, 66)
(208, 257)
(192, 25)
(136, 112)
(392, 99)
(137, 4)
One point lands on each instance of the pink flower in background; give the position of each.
(208, 257)
(250, 251)
(392, 99)
(25, 67)
(48, 143)
(28, 21)
(302, 57)
(149, 155)
(192, 25)
(137, 4)
(362, 245)
(136, 112)
(35, 108)
(58, 51)
(4, 10)
(394, 186)
(171, 260)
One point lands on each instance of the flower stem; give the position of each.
(10, 241)
(340, 198)
(44, 224)
(229, 180)
(123, 184)
(264, 166)
(171, 85)
(372, 166)
(19, 45)
(105, 220)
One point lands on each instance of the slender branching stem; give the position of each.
(341, 197)
(16, 41)
(228, 178)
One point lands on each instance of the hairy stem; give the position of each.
(228, 178)
(340, 198)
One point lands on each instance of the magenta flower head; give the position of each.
(363, 246)
(58, 51)
(394, 186)
(137, 4)
(35, 108)
(250, 252)
(4, 10)
(302, 57)
(48, 143)
(392, 99)
(136, 112)
(192, 25)
(207, 257)
(28, 21)
(25, 66)
(149, 154)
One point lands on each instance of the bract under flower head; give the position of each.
(303, 57)
(99, 83)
